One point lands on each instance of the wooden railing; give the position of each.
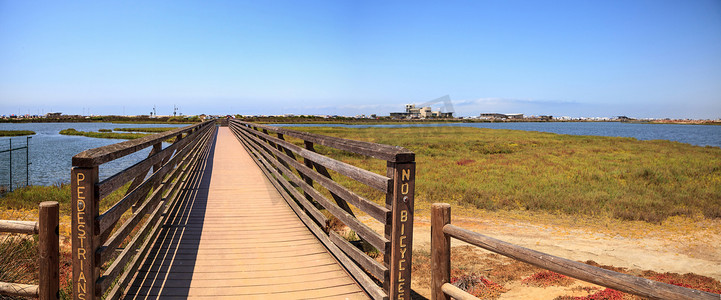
(280, 161)
(442, 231)
(48, 253)
(96, 240)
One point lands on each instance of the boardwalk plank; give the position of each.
(235, 237)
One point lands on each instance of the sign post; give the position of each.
(85, 210)
(404, 176)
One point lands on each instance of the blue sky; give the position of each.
(576, 58)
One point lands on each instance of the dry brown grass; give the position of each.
(475, 268)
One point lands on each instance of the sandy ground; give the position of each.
(677, 246)
(699, 252)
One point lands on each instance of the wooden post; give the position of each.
(85, 235)
(11, 163)
(157, 148)
(440, 250)
(308, 163)
(402, 229)
(323, 171)
(49, 260)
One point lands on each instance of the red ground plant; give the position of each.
(606, 294)
(477, 285)
(692, 281)
(547, 278)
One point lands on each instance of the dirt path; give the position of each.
(677, 246)
(698, 252)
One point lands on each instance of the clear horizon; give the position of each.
(642, 59)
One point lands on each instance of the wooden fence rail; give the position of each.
(104, 261)
(48, 253)
(294, 178)
(442, 231)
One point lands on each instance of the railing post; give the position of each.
(404, 176)
(11, 163)
(48, 260)
(27, 160)
(85, 235)
(308, 163)
(440, 250)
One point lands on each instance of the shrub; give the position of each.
(606, 294)
(478, 286)
(547, 278)
(18, 255)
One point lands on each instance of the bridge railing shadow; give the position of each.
(168, 267)
(109, 247)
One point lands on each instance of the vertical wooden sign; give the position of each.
(85, 210)
(404, 177)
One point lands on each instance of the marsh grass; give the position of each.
(495, 169)
(16, 132)
(148, 129)
(102, 135)
(18, 254)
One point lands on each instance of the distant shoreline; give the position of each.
(23, 121)
(275, 120)
(338, 120)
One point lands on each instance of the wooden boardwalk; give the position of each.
(233, 236)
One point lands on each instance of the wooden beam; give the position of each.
(617, 281)
(323, 171)
(369, 264)
(24, 227)
(452, 291)
(100, 155)
(376, 181)
(380, 151)
(146, 235)
(19, 290)
(360, 228)
(374, 210)
(117, 180)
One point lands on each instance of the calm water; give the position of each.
(51, 153)
(699, 135)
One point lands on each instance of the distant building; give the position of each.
(545, 118)
(493, 116)
(53, 115)
(413, 112)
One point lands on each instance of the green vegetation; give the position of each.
(16, 132)
(104, 135)
(29, 197)
(105, 130)
(18, 256)
(517, 170)
(148, 129)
